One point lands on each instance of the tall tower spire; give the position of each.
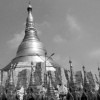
(71, 71)
(0, 77)
(29, 20)
(50, 89)
(31, 44)
(85, 83)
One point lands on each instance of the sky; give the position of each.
(68, 28)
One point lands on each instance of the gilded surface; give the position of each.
(31, 44)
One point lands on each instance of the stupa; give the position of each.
(31, 50)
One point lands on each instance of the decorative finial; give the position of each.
(70, 62)
(29, 9)
(11, 66)
(98, 69)
(0, 78)
(14, 66)
(45, 53)
(29, 6)
(29, 1)
(31, 63)
(83, 67)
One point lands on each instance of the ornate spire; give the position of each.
(70, 62)
(29, 9)
(71, 83)
(50, 89)
(31, 44)
(85, 83)
(99, 75)
(29, 20)
(99, 71)
(0, 77)
(11, 81)
(71, 71)
(85, 80)
(32, 81)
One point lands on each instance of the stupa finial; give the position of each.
(29, 10)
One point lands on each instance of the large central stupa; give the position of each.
(31, 50)
(31, 45)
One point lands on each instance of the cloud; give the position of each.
(73, 24)
(58, 39)
(74, 27)
(61, 60)
(16, 40)
(57, 57)
(95, 53)
(42, 26)
(18, 36)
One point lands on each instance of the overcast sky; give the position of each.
(69, 28)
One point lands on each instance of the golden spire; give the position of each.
(31, 44)
(29, 9)
(29, 20)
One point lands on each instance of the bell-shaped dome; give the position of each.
(31, 48)
(31, 44)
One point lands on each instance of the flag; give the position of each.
(58, 76)
(38, 74)
(91, 80)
